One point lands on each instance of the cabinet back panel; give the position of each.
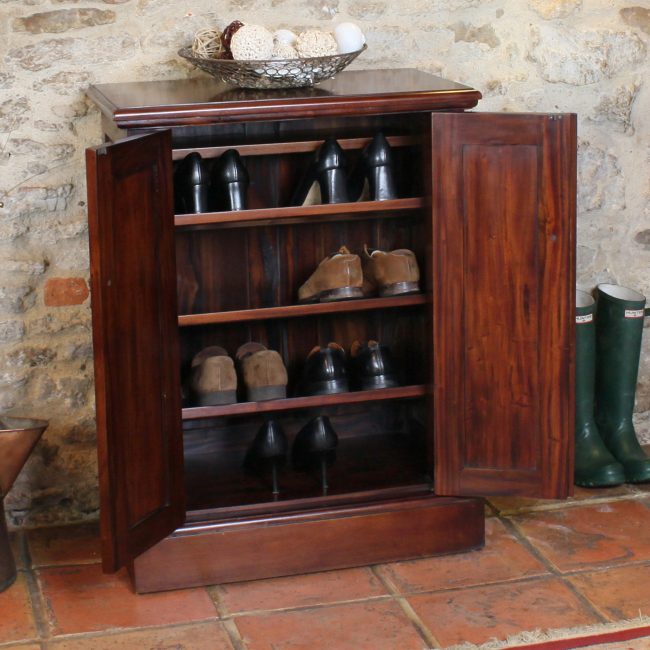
(403, 330)
(248, 268)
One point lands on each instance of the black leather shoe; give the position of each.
(376, 166)
(230, 181)
(329, 170)
(191, 186)
(325, 371)
(315, 446)
(268, 450)
(378, 162)
(372, 366)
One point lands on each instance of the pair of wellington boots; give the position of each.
(608, 347)
(344, 276)
(214, 378)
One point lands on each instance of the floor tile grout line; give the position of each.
(234, 635)
(39, 607)
(512, 526)
(425, 633)
(114, 631)
(300, 608)
(606, 567)
(568, 505)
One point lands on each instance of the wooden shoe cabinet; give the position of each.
(485, 352)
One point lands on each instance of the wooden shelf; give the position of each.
(275, 148)
(294, 403)
(299, 214)
(293, 311)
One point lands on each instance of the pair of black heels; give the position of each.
(196, 190)
(314, 446)
(338, 184)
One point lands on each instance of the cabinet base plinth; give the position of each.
(310, 541)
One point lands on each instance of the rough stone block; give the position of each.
(63, 20)
(637, 17)
(549, 9)
(60, 292)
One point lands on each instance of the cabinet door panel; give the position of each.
(136, 353)
(503, 278)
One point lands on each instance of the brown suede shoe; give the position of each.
(338, 277)
(263, 372)
(213, 380)
(390, 274)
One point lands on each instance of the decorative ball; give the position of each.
(285, 36)
(313, 42)
(284, 51)
(251, 42)
(349, 38)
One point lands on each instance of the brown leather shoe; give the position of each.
(263, 372)
(213, 380)
(390, 273)
(338, 277)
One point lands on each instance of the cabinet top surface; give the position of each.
(206, 100)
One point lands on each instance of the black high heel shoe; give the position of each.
(230, 181)
(191, 186)
(315, 446)
(376, 166)
(269, 449)
(328, 169)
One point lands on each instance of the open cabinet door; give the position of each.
(133, 277)
(503, 283)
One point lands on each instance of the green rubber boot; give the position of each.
(595, 466)
(619, 327)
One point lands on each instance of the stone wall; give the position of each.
(524, 55)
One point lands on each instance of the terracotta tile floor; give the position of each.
(546, 565)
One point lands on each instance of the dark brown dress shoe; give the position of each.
(325, 371)
(191, 186)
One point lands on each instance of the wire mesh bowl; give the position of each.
(273, 73)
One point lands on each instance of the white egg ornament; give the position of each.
(285, 36)
(349, 38)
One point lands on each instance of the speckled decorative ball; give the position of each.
(284, 51)
(251, 42)
(313, 42)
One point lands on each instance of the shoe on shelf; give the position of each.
(337, 277)
(213, 379)
(269, 449)
(372, 365)
(390, 273)
(191, 186)
(263, 372)
(315, 446)
(374, 178)
(325, 371)
(328, 169)
(230, 181)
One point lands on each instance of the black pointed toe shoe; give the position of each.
(372, 366)
(191, 186)
(230, 182)
(376, 167)
(268, 451)
(329, 169)
(315, 447)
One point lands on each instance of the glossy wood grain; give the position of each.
(317, 540)
(136, 349)
(295, 311)
(300, 214)
(204, 101)
(504, 211)
(294, 403)
(272, 148)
